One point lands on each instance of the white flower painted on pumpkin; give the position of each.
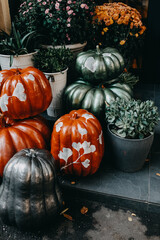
(100, 138)
(58, 126)
(88, 148)
(77, 146)
(86, 163)
(19, 92)
(81, 130)
(87, 116)
(65, 154)
(31, 77)
(4, 103)
(90, 64)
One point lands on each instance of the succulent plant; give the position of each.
(133, 118)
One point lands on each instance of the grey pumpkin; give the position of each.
(29, 194)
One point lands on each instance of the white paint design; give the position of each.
(90, 64)
(77, 146)
(88, 148)
(4, 103)
(58, 126)
(65, 154)
(100, 138)
(107, 54)
(81, 130)
(86, 163)
(87, 116)
(1, 77)
(19, 92)
(31, 77)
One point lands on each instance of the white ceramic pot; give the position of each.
(75, 48)
(20, 61)
(58, 83)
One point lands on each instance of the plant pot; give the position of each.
(75, 48)
(129, 155)
(20, 61)
(58, 83)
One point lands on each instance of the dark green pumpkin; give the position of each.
(29, 194)
(98, 65)
(83, 95)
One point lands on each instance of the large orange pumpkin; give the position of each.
(24, 92)
(77, 143)
(17, 135)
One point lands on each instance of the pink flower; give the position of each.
(58, 19)
(29, 4)
(68, 19)
(50, 15)
(82, 5)
(47, 11)
(24, 13)
(69, 2)
(68, 25)
(57, 6)
(67, 36)
(30, 7)
(70, 12)
(67, 8)
(44, 3)
(39, 0)
(59, 0)
(86, 7)
(74, 14)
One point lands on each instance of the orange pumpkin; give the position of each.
(77, 143)
(24, 92)
(17, 135)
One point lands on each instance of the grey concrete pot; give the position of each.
(129, 155)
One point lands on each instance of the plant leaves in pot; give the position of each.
(15, 49)
(131, 131)
(54, 63)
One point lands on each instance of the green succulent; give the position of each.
(52, 60)
(16, 43)
(132, 118)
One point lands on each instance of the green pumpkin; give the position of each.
(83, 95)
(29, 194)
(98, 65)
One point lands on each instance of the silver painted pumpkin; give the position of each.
(98, 65)
(29, 194)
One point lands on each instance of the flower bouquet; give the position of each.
(119, 25)
(62, 21)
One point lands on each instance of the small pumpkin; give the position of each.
(81, 94)
(98, 65)
(24, 92)
(77, 143)
(29, 194)
(16, 135)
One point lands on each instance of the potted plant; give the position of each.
(64, 22)
(119, 25)
(54, 63)
(15, 49)
(131, 131)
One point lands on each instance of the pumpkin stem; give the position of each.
(98, 49)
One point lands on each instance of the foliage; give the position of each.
(52, 60)
(15, 43)
(133, 118)
(119, 25)
(63, 21)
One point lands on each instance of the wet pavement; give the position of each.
(99, 223)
